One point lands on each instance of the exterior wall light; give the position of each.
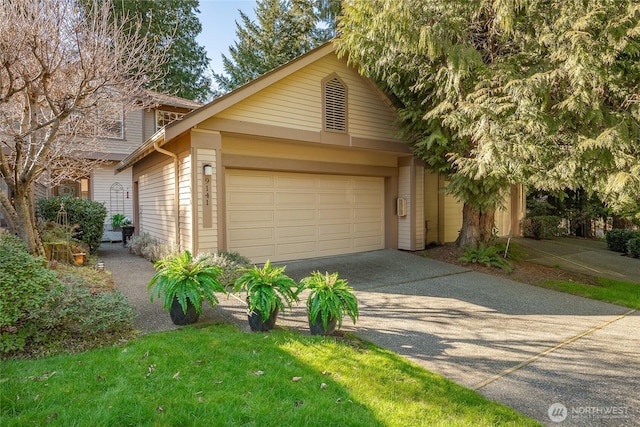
(207, 170)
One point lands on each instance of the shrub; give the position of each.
(76, 312)
(159, 251)
(541, 227)
(231, 264)
(40, 312)
(24, 286)
(487, 255)
(618, 237)
(87, 214)
(147, 247)
(633, 247)
(139, 244)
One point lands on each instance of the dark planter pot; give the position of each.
(317, 329)
(256, 323)
(127, 233)
(178, 317)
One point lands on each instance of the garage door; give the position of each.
(284, 216)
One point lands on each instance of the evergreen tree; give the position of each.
(172, 25)
(545, 92)
(282, 31)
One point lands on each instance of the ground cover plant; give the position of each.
(44, 311)
(486, 255)
(218, 375)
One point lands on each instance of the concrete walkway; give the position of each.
(527, 347)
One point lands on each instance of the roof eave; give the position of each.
(142, 151)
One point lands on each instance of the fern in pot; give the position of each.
(184, 283)
(268, 291)
(331, 298)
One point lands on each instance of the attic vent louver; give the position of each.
(335, 105)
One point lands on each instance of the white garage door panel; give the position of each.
(297, 233)
(250, 198)
(244, 216)
(307, 216)
(283, 216)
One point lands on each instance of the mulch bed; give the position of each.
(524, 271)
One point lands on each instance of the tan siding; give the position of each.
(411, 226)
(418, 197)
(296, 102)
(452, 218)
(157, 216)
(404, 223)
(102, 180)
(288, 150)
(431, 196)
(133, 135)
(207, 237)
(149, 123)
(186, 237)
(40, 191)
(503, 217)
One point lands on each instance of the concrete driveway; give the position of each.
(527, 347)
(533, 349)
(586, 256)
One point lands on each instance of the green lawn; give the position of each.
(618, 292)
(219, 376)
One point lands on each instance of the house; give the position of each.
(128, 133)
(302, 162)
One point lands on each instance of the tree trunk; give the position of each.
(23, 222)
(619, 222)
(477, 226)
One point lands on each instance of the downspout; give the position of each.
(176, 192)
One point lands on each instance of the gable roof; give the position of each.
(159, 99)
(221, 103)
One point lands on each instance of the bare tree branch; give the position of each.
(61, 72)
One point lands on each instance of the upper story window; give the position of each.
(334, 97)
(163, 118)
(104, 121)
(113, 126)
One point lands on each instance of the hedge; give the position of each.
(618, 238)
(89, 215)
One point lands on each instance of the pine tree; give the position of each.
(494, 93)
(282, 31)
(172, 25)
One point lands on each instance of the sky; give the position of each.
(218, 27)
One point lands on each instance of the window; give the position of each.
(111, 121)
(334, 97)
(163, 118)
(103, 121)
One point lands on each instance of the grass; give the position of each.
(618, 292)
(218, 375)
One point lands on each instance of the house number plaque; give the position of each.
(206, 203)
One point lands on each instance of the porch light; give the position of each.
(207, 170)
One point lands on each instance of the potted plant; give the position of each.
(330, 299)
(268, 291)
(184, 284)
(116, 221)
